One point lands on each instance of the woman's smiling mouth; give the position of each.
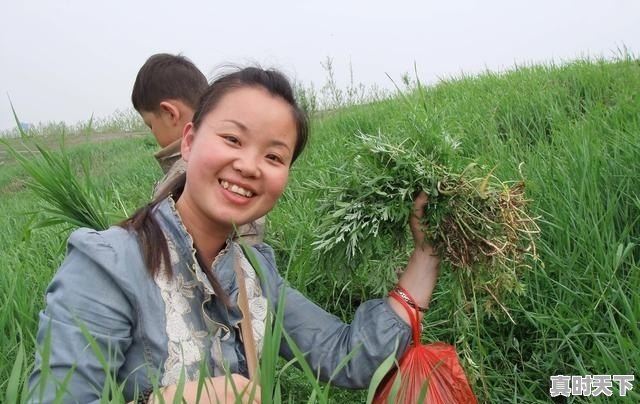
(236, 189)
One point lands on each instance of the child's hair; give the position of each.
(152, 240)
(163, 77)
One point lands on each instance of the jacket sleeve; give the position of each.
(81, 299)
(375, 332)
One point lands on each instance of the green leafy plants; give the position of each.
(66, 197)
(478, 223)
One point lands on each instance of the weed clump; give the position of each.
(477, 222)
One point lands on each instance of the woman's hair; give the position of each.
(271, 80)
(150, 236)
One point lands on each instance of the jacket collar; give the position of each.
(167, 156)
(171, 223)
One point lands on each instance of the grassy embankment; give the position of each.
(577, 130)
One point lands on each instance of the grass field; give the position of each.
(576, 128)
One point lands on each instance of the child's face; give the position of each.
(161, 127)
(238, 160)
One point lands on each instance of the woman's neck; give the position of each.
(209, 238)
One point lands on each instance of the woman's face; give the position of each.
(238, 160)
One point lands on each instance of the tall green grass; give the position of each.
(575, 127)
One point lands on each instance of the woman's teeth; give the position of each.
(236, 189)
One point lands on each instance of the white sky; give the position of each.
(64, 60)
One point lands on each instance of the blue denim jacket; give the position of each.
(150, 329)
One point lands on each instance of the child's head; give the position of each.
(239, 147)
(165, 93)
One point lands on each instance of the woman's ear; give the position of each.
(171, 111)
(187, 141)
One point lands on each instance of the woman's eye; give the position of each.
(275, 158)
(231, 139)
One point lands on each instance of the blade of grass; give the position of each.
(13, 384)
(385, 367)
(21, 130)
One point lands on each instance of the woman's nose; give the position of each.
(247, 165)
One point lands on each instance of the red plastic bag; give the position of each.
(427, 373)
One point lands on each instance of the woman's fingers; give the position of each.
(415, 222)
(419, 203)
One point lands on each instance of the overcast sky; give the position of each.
(64, 60)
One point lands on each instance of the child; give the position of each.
(159, 292)
(165, 94)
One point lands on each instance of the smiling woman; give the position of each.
(241, 153)
(161, 294)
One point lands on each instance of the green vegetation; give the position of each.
(575, 128)
(127, 121)
(478, 224)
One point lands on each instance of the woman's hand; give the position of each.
(420, 275)
(219, 389)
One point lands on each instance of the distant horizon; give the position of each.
(390, 88)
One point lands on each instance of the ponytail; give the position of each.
(153, 242)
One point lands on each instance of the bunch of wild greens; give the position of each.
(478, 223)
(66, 197)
